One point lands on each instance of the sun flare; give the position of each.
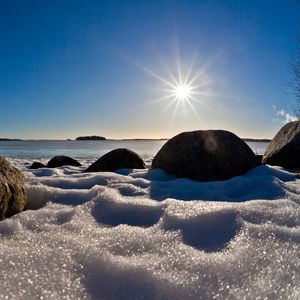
(182, 85)
(183, 91)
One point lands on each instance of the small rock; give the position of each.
(117, 159)
(37, 165)
(59, 161)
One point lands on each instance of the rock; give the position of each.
(12, 190)
(205, 155)
(37, 165)
(59, 161)
(284, 149)
(259, 158)
(117, 159)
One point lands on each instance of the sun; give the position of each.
(182, 91)
(181, 86)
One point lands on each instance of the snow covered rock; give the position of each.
(12, 190)
(284, 149)
(205, 155)
(59, 161)
(37, 165)
(117, 159)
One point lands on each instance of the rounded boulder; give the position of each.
(12, 190)
(117, 159)
(37, 165)
(284, 149)
(59, 161)
(205, 155)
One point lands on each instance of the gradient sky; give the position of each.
(70, 68)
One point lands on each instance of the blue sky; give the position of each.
(70, 68)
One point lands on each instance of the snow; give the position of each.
(142, 234)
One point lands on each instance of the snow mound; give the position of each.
(141, 234)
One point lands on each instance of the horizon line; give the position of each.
(111, 139)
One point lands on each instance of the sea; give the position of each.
(40, 149)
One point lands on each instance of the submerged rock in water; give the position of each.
(59, 161)
(37, 165)
(205, 155)
(12, 190)
(117, 159)
(284, 149)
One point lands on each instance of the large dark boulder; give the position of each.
(284, 149)
(12, 190)
(37, 165)
(117, 159)
(59, 161)
(205, 155)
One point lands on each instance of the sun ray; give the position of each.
(168, 70)
(203, 69)
(175, 110)
(178, 63)
(192, 108)
(190, 69)
(204, 83)
(166, 97)
(152, 73)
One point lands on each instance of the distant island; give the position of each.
(90, 138)
(5, 139)
(256, 140)
(141, 139)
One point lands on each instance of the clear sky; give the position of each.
(70, 68)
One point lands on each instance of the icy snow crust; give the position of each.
(141, 234)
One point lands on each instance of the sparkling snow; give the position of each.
(141, 234)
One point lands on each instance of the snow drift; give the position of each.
(141, 234)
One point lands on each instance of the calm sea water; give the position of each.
(88, 149)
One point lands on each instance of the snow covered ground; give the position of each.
(141, 234)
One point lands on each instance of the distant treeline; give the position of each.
(5, 139)
(90, 138)
(257, 140)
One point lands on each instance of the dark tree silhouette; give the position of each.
(90, 138)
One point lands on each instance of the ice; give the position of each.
(142, 234)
